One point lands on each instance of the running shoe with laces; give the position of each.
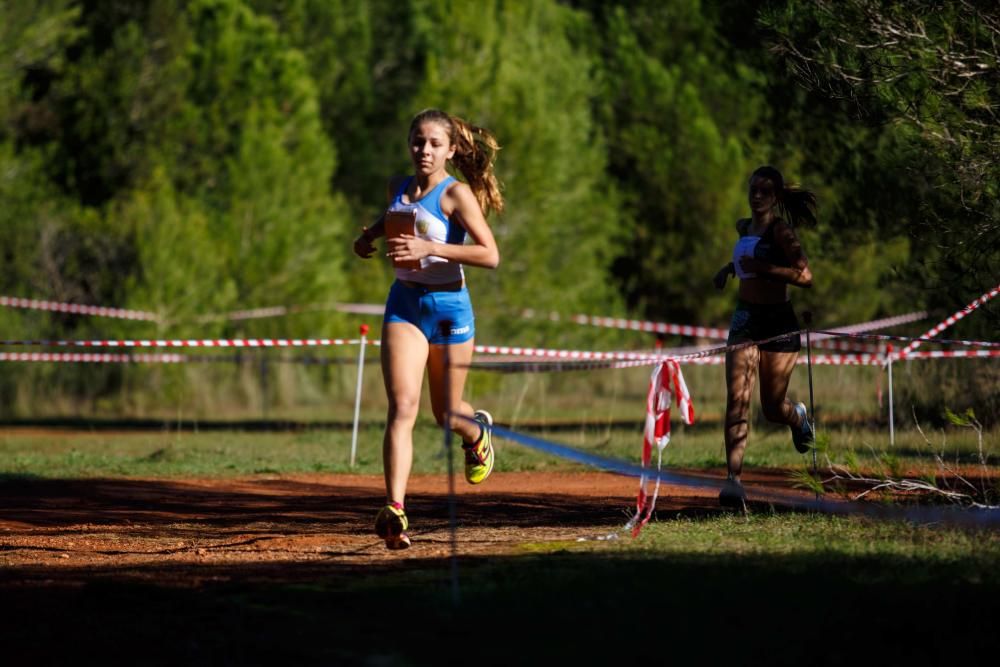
(733, 495)
(391, 524)
(802, 436)
(479, 457)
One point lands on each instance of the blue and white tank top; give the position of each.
(432, 225)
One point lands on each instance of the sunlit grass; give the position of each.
(832, 537)
(228, 453)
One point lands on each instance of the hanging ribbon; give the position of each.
(665, 383)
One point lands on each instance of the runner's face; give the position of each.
(430, 148)
(762, 196)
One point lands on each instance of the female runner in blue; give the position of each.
(421, 299)
(767, 259)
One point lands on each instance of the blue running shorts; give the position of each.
(426, 309)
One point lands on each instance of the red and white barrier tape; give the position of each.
(280, 311)
(632, 325)
(92, 358)
(953, 354)
(210, 343)
(652, 327)
(610, 322)
(939, 341)
(817, 360)
(502, 350)
(823, 341)
(513, 366)
(842, 345)
(583, 360)
(592, 320)
(584, 355)
(251, 314)
(711, 332)
(948, 321)
(123, 314)
(620, 359)
(77, 309)
(665, 383)
(875, 325)
(496, 350)
(376, 309)
(870, 359)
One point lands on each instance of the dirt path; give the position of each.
(187, 531)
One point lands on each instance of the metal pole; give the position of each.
(807, 318)
(452, 504)
(892, 419)
(357, 394)
(263, 385)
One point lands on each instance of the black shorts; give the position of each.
(760, 321)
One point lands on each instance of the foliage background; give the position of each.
(194, 158)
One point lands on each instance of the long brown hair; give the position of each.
(475, 151)
(796, 205)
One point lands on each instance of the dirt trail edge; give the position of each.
(285, 527)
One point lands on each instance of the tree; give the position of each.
(208, 107)
(677, 115)
(930, 69)
(521, 70)
(365, 58)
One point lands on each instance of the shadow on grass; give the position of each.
(288, 502)
(597, 605)
(561, 608)
(296, 503)
(17, 478)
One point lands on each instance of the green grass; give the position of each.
(597, 410)
(836, 538)
(781, 588)
(228, 453)
(785, 588)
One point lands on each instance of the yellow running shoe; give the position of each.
(391, 524)
(479, 457)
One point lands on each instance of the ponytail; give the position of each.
(797, 205)
(475, 151)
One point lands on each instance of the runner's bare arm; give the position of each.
(459, 204)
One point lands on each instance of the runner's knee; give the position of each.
(403, 409)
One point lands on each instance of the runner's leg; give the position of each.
(741, 370)
(446, 392)
(775, 372)
(404, 356)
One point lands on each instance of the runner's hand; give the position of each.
(362, 246)
(720, 278)
(408, 248)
